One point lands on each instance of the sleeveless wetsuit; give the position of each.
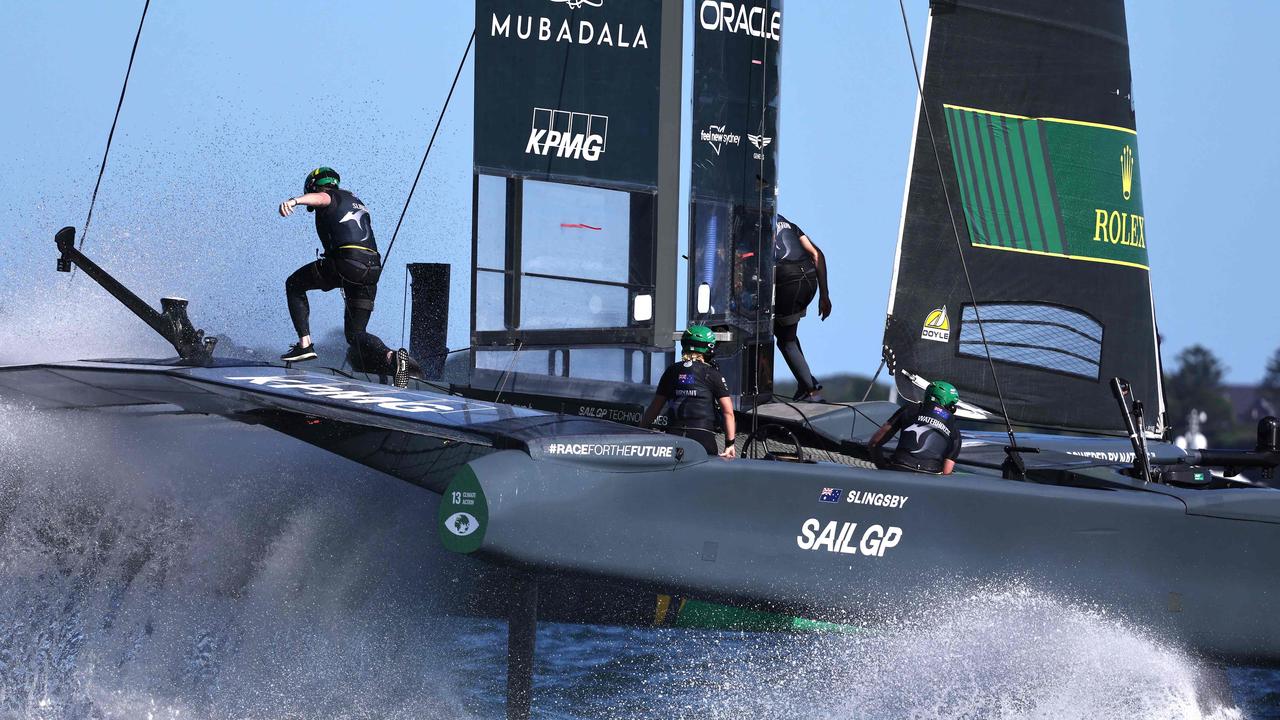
(927, 436)
(350, 262)
(693, 390)
(795, 284)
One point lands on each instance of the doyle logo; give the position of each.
(839, 537)
(402, 402)
(830, 495)
(565, 134)
(760, 142)
(937, 326)
(563, 30)
(611, 450)
(742, 18)
(717, 137)
(1126, 172)
(462, 524)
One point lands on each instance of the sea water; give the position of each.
(161, 565)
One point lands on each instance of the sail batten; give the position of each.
(1026, 162)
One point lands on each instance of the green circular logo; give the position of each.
(464, 513)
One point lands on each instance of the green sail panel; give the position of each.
(1049, 186)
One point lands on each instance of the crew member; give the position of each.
(350, 261)
(367, 353)
(928, 440)
(800, 270)
(692, 390)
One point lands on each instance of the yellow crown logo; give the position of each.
(1126, 171)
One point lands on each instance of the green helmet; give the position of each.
(321, 177)
(943, 393)
(699, 339)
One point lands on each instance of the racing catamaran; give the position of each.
(1021, 276)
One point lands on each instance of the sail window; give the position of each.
(571, 262)
(491, 221)
(577, 230)
(1046, 337)
(554, 304)
(604, 364)
(563, 283)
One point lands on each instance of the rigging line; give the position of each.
(102, 168)
(502, 384)
(404, 304)
(431, 142)
(804, 418)
(871, 385)
(755, 330)
(955, 229)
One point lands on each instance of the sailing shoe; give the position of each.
(814, 395)
(298, 353)
(401, 361)
(414, 369)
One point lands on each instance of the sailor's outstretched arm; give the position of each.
(881, 435)
(312, 200)
(651, 413)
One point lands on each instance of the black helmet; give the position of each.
(321, 177)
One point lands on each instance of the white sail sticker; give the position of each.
(937, 326)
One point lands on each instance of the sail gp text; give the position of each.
(837, 536)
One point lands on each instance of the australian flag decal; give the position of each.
(830, 495)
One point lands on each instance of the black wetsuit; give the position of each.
(795, 283)
(350, 262)
(368, 354)
(693, 390)
(927, 437)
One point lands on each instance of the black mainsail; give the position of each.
(1026, 160)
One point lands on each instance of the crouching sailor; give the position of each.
(692, 391)
(350, 261)
(928, 440)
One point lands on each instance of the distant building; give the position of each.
(1247, 403)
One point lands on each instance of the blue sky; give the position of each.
(231, 103)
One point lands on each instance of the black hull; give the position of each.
(610, 517)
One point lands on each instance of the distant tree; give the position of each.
(1271, 381)
(1197, 385)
